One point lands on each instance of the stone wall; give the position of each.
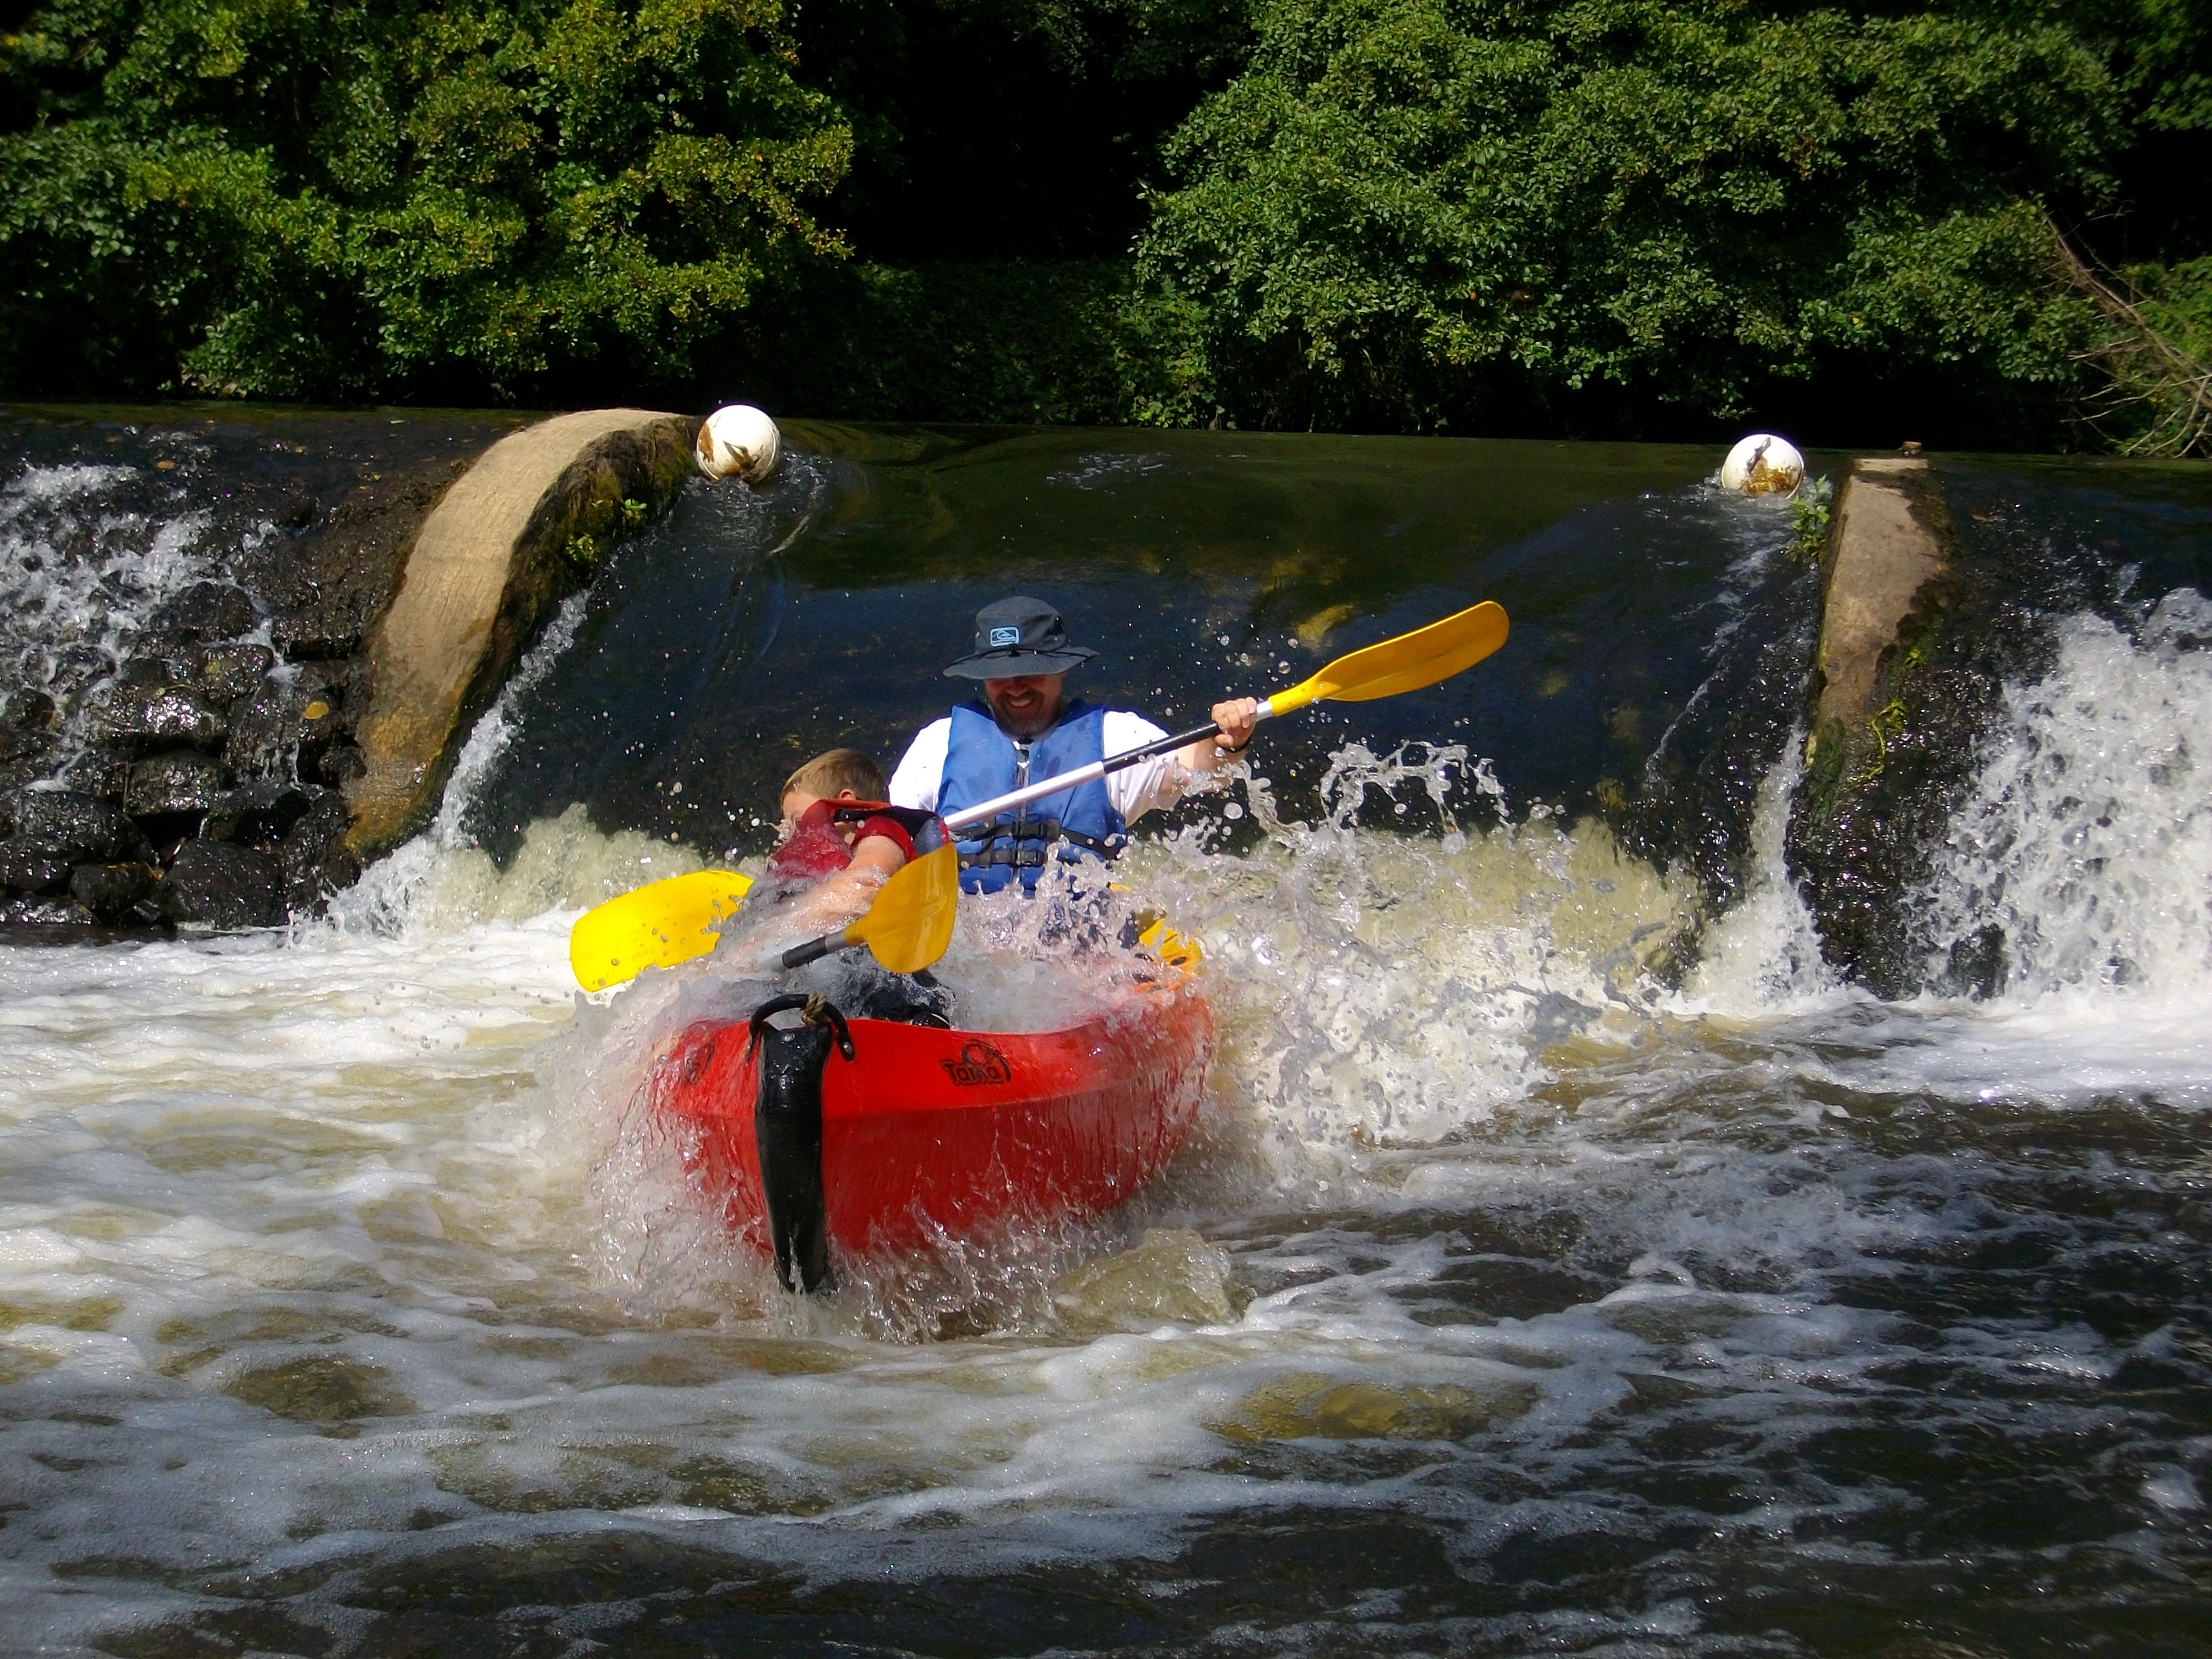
(234, 756)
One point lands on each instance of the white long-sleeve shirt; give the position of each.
(1159, 781)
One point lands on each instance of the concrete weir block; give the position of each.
(519, 531)
(1894, 720)
(1885, 550)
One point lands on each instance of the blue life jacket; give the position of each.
(1077, 824)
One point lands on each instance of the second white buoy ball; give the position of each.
(1763, 464)
(738, 440)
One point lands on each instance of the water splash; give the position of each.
(1762, 956)
(2082, 860)
(80, 574)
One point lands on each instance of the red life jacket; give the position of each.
(818, 847)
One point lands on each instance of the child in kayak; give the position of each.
(842, 841)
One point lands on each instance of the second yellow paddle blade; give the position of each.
(655, 926)
(910, 923)
(1405, 664)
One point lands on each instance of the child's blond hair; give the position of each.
(839, 768)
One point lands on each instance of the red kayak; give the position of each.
(924, 1133)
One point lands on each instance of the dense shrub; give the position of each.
(1405, 210)
(282, 197)
(1630, 217)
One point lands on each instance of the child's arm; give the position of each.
(840, 899)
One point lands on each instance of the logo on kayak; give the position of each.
(979, 1063)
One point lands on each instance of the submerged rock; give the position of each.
(215, 884)
(1173, 1274)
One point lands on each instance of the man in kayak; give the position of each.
(1026, 728)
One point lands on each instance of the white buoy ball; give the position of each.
(1763, 464)
(738, 440)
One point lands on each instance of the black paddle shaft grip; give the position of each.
(814, 950)
(1163, 746)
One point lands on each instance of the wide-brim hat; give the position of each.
(1018, 636)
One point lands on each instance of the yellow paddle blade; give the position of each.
(910, 923)
(1405, 664)
(658, 924)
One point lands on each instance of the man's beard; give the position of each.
(1029, 723)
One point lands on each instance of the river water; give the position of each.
(1566, 1262)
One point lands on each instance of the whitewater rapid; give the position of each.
(338, 1268)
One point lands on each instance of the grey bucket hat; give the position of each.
(1017, 636)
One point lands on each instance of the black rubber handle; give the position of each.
(814, 950)
(1165, 746)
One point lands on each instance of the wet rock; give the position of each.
(154, 671)
(28, 870)
(341, 763)
(100, 773)
(1926, 619)
(27, 718)
(143, 718)
(181, 782)
(215, 884)
(232, 672)
(322, 633)
(206, 610)
(256, 812)
(74, 828)
(45, 913)
(28, 709)
(1977, 965)
(316, 861)
(326, 584)
(280, 731)
(24, 747)
(111, 890)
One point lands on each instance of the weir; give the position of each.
(1554, 1200)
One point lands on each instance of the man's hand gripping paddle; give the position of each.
(910, 923)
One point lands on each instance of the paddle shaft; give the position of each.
(815, 949)
(955, 822)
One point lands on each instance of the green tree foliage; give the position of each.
(1408, 212)
(1619, 216)
(283, 197)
